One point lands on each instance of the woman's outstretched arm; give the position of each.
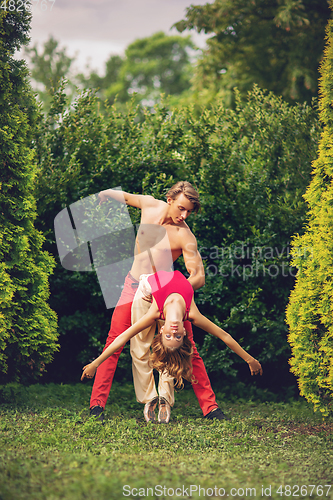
(204, 323)
(143, 323)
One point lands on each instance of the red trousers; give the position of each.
(121, 320)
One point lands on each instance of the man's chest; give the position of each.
(158, 237)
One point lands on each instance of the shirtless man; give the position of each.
(182, 200)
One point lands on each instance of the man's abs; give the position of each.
(157, 247)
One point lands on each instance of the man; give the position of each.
(182, 200)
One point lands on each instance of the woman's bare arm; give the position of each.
(204, 323)
(143, 323)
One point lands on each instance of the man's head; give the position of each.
(183, 200)
(185, 188)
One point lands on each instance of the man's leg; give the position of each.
(121, 320)
(202, 388)
(144, 383)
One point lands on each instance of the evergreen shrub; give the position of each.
(310, 308)
(28, 326)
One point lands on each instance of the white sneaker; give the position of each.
(164, 411)
(149, 410)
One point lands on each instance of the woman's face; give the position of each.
(172, 335)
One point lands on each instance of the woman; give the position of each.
(172, 300)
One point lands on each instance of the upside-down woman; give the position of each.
(172, 301)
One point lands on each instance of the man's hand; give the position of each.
(89, 371)
(255, 367)
(102, 197)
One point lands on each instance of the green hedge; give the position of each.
(28, 326)
(250, 165)
(310, 310)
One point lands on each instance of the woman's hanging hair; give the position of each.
(176, 362)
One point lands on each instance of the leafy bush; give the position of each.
(253, 169)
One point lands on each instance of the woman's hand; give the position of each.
(146, 291)
(89, 371)
(255, 366)
(148, 298)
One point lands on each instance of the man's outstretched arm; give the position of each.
(134, 200)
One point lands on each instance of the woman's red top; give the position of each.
(164, 283)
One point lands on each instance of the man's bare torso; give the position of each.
(158, 244)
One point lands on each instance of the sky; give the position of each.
(94, 29)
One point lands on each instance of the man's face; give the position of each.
(180, 208)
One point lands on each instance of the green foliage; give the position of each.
(75, 457)
(151, 66)
(250, 165)
(48, 68)
(254, 165)
(277, 45)
(157, 64)
(15, 25)
(27, 324)
(81, 153)
(101, 83)
(309, 312)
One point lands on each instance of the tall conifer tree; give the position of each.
(310, 310)
(27, 324)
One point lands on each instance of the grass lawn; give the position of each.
(51, 449)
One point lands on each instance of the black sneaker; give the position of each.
(217, 414)
(98, 413)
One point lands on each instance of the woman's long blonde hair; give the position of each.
(176, 362)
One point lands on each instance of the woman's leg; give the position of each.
(143, 378)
